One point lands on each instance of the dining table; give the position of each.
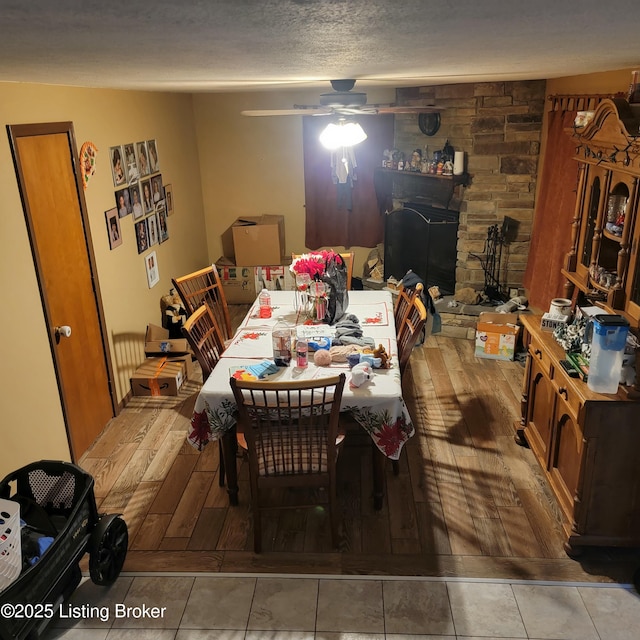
(376, 405)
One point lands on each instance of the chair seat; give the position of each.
(264, 468)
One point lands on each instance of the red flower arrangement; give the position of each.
(313, 264)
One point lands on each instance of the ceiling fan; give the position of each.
(342, 101)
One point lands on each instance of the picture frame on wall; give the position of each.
(147, 201)
(151, 264)
(141, 235)
(117, 166)
(136, 202)
(142, 157)
(157, 190)
(152, 229)
(154, 161)
(163, 231)
(113, 228)
(123, 202)
(131, 162)
(168, 197)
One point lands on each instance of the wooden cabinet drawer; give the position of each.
(541, 356)
(567, 391)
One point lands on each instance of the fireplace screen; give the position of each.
(423, 239)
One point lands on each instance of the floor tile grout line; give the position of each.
(588, 610)
(324, 576)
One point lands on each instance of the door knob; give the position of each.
(62, 332)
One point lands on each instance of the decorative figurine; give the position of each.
(416, 160)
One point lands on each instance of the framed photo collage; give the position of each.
(141, 193)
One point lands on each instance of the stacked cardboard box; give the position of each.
(158, 377)
(243, 284)
(254, 258)
(168, 364)
(255, 240)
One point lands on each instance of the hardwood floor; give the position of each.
(468, 501)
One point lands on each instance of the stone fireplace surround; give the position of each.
(498, 125)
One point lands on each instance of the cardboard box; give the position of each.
(497, 336)
(258, 240)
(158, 377)
(274, 277)
(241, 284)
(187, 361)
(238, 283)
(157, 342)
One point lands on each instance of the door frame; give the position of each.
(29, 130)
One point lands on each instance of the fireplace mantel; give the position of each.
(444, 192)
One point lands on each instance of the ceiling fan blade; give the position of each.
(400, 109)
(297, 111)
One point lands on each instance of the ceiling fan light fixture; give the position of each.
(342, 134)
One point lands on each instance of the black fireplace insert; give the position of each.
(424, 239)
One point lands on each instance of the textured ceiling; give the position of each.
(228, 45)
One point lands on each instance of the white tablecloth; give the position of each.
(377, 405)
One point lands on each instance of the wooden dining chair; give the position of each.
(409, 331)
(205, 339)
(348, 261)
(347, 256)
(292, 437)
(412, 321)
(204, 286)
(403, 303)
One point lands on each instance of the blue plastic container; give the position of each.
(607, 350)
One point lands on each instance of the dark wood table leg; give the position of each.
(379, 461)
(229, 451)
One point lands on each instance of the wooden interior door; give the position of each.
(55, 211)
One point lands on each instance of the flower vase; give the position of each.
(302, 300)
(318, 302)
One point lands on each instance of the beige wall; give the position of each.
(252, 166)
(608, 82)
(32, 426)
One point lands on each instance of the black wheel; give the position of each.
(109, 543)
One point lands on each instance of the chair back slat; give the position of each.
(205, 287)
(203, 334)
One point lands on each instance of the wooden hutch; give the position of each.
(602, 262)
(588, 444)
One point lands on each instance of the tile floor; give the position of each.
(269, 607)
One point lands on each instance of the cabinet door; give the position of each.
(566, 458)
(612, 257)
(592, 215)
(633, 281)
(539, 411)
